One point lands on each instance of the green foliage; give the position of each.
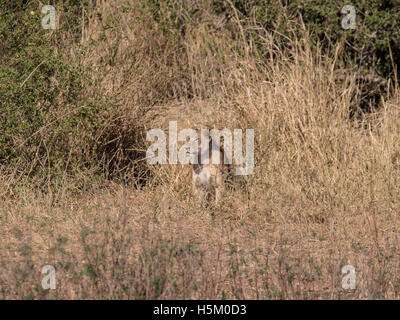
(49, 125)
(36, 86)
(368, 46)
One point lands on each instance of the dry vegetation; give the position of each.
(324, 192)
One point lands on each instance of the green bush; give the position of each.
(368, 46)
(38, 90)
(50, 127)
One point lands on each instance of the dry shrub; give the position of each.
(324, 192)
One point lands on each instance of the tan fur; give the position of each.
(208, 179)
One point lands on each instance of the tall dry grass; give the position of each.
(324, 192)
